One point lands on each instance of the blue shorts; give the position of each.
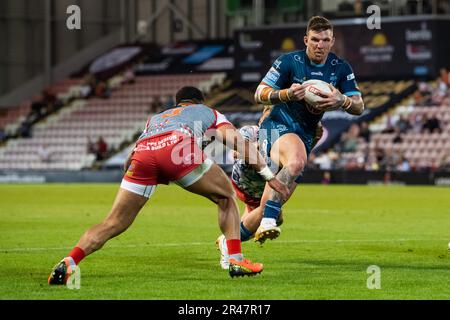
(277, 124)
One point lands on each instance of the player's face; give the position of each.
(318, 45)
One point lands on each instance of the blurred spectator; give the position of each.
(403, 124)
(403, 165)
(102, 90)
(444, 77)
(51, 101)
(129, 76)
(101, 148)
(3, 135)
(445, 162)
(25, 130)
(170, 102)
(156, 105)
(358, 7)
(326, 178)
(323, 161)
(37, 109)
(431, 124)
(88, 86)
(364, 131)
(417, 122)
(398, 136)
(349, 140)
(345, 6)
(91, 147)
(45, 154)
(372, 163)
(390, 128)
(379, 155)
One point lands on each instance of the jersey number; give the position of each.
(174, 113)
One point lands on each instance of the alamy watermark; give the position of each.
(374, 279)
(374, 20)
(186, 145)
(73, 22)
(74, 281)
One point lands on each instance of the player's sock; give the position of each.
(245, 233)
(77, 254)
(271, 212)
(234, 249)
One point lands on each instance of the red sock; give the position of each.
(234, 246)
(77, 254)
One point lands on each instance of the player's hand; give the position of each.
(280, 187)
(332, 101)
(296, 92)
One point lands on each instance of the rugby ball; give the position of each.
(314, 93)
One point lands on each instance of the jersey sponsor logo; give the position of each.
(317, 74)
(277, 64)
(350, 77)
(273, 75)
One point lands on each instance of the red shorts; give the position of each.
(165, 158)
(250, 202)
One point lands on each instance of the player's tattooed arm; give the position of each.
(355, 106)
(265, 94)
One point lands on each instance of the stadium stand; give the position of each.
(67, 134)
(413, 136)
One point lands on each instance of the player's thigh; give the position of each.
(213, 184)
(287, 148)
(126, 206)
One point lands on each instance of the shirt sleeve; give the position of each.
(347, 84)
(279, 74)
(220, 120)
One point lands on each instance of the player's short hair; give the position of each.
(189, 94)
(318, 24)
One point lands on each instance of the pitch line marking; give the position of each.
(3, 250)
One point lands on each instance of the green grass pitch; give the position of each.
(331, 235)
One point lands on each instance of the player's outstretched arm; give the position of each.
(231, 137)
(265, 94)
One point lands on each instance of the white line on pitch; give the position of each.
(3, 250)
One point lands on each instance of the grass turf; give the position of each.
(331, 235)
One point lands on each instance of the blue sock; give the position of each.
(245, 233)
(272, 209)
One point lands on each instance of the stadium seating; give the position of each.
(421, 148)
(117, 120)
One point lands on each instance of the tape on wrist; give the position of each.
(347, 103)
(266, 173)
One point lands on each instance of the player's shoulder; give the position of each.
(203, 107)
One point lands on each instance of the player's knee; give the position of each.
(295, 167)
